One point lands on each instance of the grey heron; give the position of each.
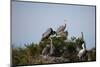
(47, 34)
(52, 48)
(61, 28)
(49, 50)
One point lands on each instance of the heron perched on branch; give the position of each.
(46, 50)
(61, 28)
(49, 50)
(47, 34)
(83, 51)
(52, 48)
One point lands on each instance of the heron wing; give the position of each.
(81, 53)
(61, 28)
(47, 33)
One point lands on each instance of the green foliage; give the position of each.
(19, 56)
(31, 53)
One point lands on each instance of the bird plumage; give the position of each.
(52, 48)
(61, 28)
(82, 51)
(49, 50)
(47, 34)
(46, 50)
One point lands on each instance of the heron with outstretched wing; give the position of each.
(47, 34)
(61, 28)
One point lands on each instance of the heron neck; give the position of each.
(83, 46)
(51, 42)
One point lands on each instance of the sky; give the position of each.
(30, 20)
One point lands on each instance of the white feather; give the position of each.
(82, 51)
